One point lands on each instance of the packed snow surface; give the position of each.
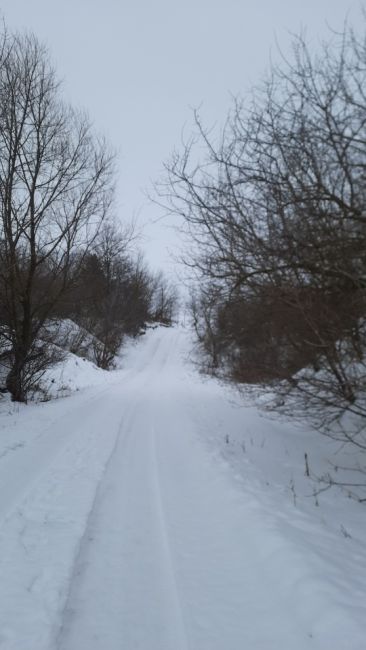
(151, 511)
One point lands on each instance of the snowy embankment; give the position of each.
(152, 511)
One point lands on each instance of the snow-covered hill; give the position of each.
(152, 511)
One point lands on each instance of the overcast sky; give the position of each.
(140, 66)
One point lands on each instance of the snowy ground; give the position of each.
(150, 511)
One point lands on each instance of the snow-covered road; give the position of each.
(120, 530)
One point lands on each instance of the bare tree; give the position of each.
(164, 300)
(276, 221)
(55, 190)
(103, 304)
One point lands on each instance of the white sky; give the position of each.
(140, 66)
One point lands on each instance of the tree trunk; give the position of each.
(14, 381)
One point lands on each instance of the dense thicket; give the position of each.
(275, 215)
(115, 294)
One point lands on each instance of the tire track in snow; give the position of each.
(181, 634)
(38, 538)
(83, 540)
(124, 427)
